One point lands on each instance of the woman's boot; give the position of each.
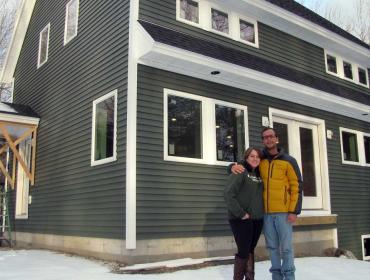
(249, 270)
(239, 268)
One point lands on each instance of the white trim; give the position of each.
(18, 119)
(23, 182)
(188, 63)
(114, 156)
(131, 131)
(68, 5)
(360, 146)
(40, 63)
(208, 124)
(322, 156)
(20, 28)
(367, 236)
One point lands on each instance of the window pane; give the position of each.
(71, 19)
(44, 45)
(184, 127)
(247, 31)
(220, 21)
(189, 10)
(104, 129)
(282, 132)
(347, 67)
(350, 152)
(332, 63)
(367, 149)
(362, 76)
(230, 136)
(308, 161)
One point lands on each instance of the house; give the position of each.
(143, 104)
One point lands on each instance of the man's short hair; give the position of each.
(269, 128)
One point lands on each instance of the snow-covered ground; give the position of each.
(46, 265)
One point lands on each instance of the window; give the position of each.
(71, 21)
(347, 68)
(220, 21)
(104, 129)
(43, 46)
(189, 10)
(230, 133)
(331, 63)
(247, 32)
(365, 247)
(362, 76)
(355, 147)
(203, 130)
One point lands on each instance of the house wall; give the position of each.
(70, 197)
(274, 45)
(179, 199)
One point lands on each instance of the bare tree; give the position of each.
(358, 24)
(7, 20)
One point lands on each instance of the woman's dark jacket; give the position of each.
(244, 194)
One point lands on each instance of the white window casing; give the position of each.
(72, 7)
(93, 137)
(208, 124)
(43, 54)
(360, 146)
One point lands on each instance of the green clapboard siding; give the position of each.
(71, 197)
(179, 199)
(274, 44)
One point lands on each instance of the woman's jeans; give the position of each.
(279, 238)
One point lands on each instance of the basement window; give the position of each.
(365, 247)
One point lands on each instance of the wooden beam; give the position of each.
(24, 136)
(15, 151)
(6, 174)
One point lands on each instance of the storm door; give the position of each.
(300, 139)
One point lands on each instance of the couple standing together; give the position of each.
(264, 191)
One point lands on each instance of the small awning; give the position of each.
(17, 124)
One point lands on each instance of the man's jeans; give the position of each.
(279, 238)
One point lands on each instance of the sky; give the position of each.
(48, 265)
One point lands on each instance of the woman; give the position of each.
(243, 196)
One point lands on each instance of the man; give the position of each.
(283, 202)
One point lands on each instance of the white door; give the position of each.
(300, 140)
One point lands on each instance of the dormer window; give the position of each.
(220, 21)
(347, 69)
(189, 10)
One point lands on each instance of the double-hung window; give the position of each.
(43, 46)
(71, 21)
(203, 130)
(104, 129)
(355, 147)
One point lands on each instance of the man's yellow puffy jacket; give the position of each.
(282, 183)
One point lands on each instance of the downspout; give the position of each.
(131, 129)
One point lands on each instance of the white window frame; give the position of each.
(251, 21)
(205, 21)
(23, 182)
(340, 69)
(68, 5)
(367, 236)
(114, 156)
(360, 146)
(208, 122)
(323, 158)
(40, 63)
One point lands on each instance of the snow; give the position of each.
(47, 265)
